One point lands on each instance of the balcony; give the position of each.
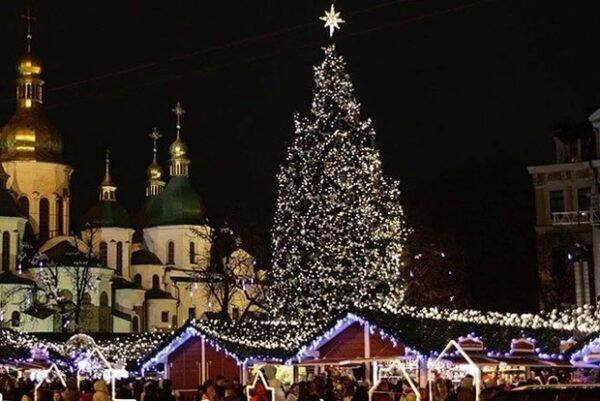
(571, 218)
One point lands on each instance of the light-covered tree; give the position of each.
(339, 229)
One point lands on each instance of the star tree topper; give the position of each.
(332, 20)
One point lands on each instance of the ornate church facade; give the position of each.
(118, 274)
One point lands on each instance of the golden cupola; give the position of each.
(28, 135)
(178, 149)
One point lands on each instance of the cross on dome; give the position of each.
(179, 111)
(155, 136)
(27, 17)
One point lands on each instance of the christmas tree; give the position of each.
(338, 230)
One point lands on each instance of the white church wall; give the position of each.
(38, 180)
(112, 236)
(155, 310)
(158, 238)
(15, 227)
(121, 325)
(147, 272)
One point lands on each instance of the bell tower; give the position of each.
(31, 153)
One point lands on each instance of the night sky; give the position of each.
(463, 95)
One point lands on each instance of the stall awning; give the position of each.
(477, 359)
(534, 362)
(345, 362)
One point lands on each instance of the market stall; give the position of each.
(45, 376)
(95, 366)
(525, 362)
(393, 379)
(353, 347)
(455, 363)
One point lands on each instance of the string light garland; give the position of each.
(125, 349)
(425, 330)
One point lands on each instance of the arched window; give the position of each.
(192, 252)
(137, 279)
(171, 253)
(155, 282)
(119, 258)
(15, 319)
(86, 299)
(5, 251)
(24, 204)
(103, 253)
(104, 299)
(44, 218)
(60, 215)
(135, 324)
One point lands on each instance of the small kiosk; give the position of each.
(456, 365)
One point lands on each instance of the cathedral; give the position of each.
(118, 274)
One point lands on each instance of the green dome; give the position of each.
(177, 204)
(9, 206)
(144, 257)
(107, 214)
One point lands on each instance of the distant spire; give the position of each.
(155, 184)
(29, 84)
(28, 18)
(107, 187)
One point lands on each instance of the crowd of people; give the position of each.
(24, 390)
(318, 388)
(315, 388)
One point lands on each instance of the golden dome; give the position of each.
(155, 171)
(29, 65)
(178, 149)
(28, 135)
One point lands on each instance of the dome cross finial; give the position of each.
(179, 111)
(27, 17)
(155, 136)
(107, 171)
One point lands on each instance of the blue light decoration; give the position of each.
(588, 355)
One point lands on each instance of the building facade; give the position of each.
(117, 274)
(566, 219)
